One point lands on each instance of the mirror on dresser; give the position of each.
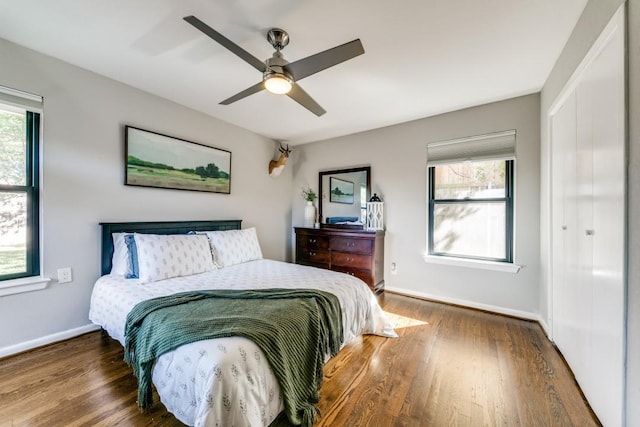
(343, 195)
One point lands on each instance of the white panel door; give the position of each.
(606, 84)
(588, 225)
(586, 107)
(564, 266)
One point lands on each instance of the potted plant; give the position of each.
(309, 195)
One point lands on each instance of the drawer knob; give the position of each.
(350, 259)
(312, 240)
(312, 254)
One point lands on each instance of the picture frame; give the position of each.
(156, 160)
(341, 191)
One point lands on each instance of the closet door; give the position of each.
(606, 128)
(580, 360)
(588, 225)
(564, 265)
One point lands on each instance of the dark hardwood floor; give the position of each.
(450, 367)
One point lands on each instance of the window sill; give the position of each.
(25, 284)
(473, 263)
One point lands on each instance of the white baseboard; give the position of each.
(545, 328)
(471, 304)
(49, 339)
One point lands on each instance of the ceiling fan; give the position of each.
(280, 76)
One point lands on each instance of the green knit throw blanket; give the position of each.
(295, 329)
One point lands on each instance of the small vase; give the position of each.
(309, 214)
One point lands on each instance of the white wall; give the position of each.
(83, 173)
(397, 156)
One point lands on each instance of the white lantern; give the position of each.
(375, 215)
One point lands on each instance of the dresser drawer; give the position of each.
(347, 259)
(359, 253)
(364, 275)
(310, 241)
(313, 255)
(345, 244)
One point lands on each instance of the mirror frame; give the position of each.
(322, 174)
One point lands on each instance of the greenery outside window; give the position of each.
(19, 192)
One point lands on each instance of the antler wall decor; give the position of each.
(276, 166)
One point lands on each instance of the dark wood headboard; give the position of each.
(163, 227)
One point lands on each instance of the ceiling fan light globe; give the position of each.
(278, 84)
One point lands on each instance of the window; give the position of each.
(470, 185)
(19, 198)
(470, 210)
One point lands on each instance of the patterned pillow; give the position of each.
(164, 256)
(213, 250)
(233, 247)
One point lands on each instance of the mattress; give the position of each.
(228, 381)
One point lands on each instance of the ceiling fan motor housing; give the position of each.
(278, 38)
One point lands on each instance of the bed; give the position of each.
(222, 381)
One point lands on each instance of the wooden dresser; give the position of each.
(356, 252)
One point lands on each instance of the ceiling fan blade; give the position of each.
(323, 60)
(246, 56)
(301, 97)
(238, 96)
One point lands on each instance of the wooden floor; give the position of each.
(450, 367)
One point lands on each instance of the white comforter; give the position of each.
(228, 381)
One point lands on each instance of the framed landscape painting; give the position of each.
(156, 160)
(341, 191)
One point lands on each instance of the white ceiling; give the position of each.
(422, 57)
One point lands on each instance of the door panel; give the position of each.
(581, 362)
(608, 218)
(588, 226)
(563, 141)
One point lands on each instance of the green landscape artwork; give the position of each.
(156, 160)
(341, 191)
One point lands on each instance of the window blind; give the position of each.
(19, 98)
(499, 145)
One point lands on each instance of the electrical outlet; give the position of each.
(64, 275)
(394, 268)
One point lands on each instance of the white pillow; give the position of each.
(120, 254)
(165, 256)
(233, 247)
